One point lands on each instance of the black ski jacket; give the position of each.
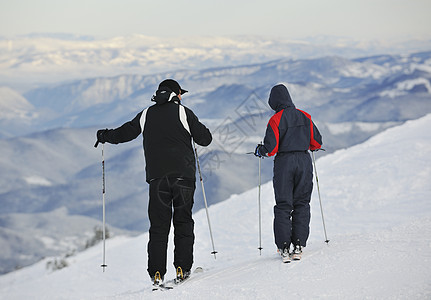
(167, 128)
(290, 129)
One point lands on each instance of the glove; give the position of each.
(100, 135)
(257, 151)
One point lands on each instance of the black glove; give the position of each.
(258, 151)
(100, 135)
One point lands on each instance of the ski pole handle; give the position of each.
(97, 144)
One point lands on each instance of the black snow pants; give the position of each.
(293, 184)
(170, 196)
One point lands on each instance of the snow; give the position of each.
(13, 105)
(349, 127)
(37, 180)
(407, 85)
(361, 71)
(376, 205)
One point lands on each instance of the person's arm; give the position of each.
(125, 133)
(200, 133)
(316, 138)
(272, 136)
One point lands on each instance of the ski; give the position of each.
(170, 284)
(285, 256)
(161, 287)
(158, 284)
(296, 253)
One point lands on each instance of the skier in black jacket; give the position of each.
(168, 128)
(290, 134)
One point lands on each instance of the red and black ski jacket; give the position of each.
(167, 129)
(290, 129)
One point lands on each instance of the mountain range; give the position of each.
(35, 60)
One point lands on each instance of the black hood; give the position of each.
(164, 95)
(279, 98)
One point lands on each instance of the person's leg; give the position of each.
(183, 191)
(283, 190)
(301, 200)
(160, 214)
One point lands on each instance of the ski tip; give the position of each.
(162, 288)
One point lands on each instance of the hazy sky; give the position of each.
(358, 19)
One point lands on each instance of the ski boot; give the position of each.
(157, 281)
(181, 275)
(297, 252)
(285, 253)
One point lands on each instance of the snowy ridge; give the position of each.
(376, 204)
(42, 235)
(13, 105)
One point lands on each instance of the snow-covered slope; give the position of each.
(26, 238)
(13, 105)
(16, 113)
(377, 211)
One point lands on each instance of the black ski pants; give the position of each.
(170, 197)
(293, 184)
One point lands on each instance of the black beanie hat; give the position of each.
(172, 85)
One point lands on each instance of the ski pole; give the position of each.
(260, 214)
(260, 210)
(205, 200)
(320, 200)
(104, 265)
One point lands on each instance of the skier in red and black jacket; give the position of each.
(290, 133)
(167, 128)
